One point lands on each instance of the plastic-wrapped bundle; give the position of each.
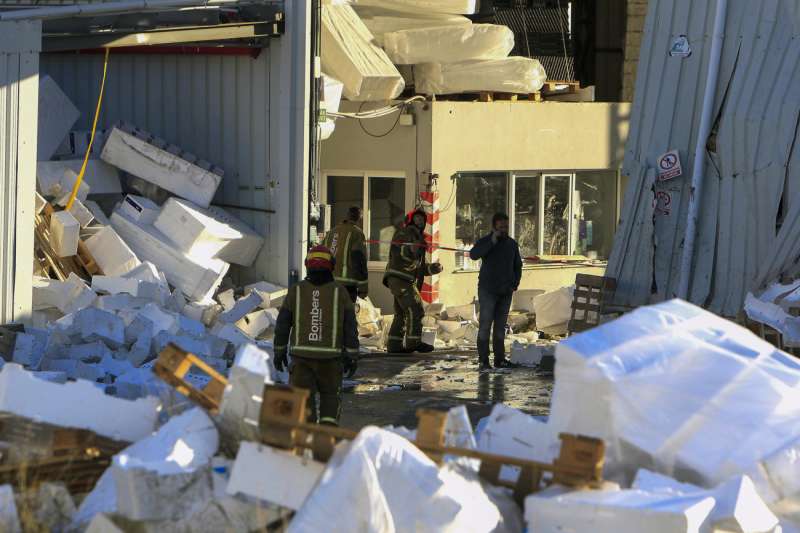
(349, 55)
(453, 7)
(379, 25)
(684, 392)
(510, 75)
(449, 44)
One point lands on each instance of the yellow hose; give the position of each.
(91, 139)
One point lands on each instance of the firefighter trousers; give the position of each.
(323, 377)
(406, 329)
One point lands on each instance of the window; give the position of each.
(381, 197)
(526, 214)
(343, 193)
(595, 212)
(387, 198)
(478, 198)
(556, 214)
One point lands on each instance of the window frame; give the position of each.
(365, 176)
(542, 175)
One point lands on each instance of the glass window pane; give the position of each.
(526, 214)
(478, 198)
(556, 214)
(387, 200)
(343, 193)
(595, 212)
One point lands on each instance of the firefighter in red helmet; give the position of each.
(404, 273)
(318, 320)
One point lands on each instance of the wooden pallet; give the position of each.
(173, 364)
(549, 89)
(82, 264)
(592, 294)
(283, 425)
(37, 452)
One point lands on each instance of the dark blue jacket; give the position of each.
(501, 266)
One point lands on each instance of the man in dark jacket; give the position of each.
(501, 272)
(346, 242)
(404, 273)
(319, 319)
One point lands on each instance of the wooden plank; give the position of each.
(173, 364)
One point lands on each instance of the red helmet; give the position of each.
(320, 258)
(417, 211)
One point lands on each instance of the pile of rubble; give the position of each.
(378, 47)
(699, 419)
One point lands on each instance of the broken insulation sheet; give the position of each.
(350, 55)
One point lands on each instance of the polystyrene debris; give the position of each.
(615, 511)
(387, 484)
(672, 386)
(511, 75)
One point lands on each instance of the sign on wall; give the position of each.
(669, 166)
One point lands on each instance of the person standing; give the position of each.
(319, 320)
(501, 272)
(404, 273)
(347, 244)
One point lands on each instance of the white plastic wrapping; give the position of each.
(449, 44)
(772, 308)
(350, 55)
(381, 24)
(382, 482)
(681, 391)
(455, 7)
(512, 75)
(331, 97)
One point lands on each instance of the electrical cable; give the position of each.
(390, 130)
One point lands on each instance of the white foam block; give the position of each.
(383, 22)
(208, 232)
(68, 180)
(615, 511)
(253, 459)
(81, 213)
(64, 233)
(271, 295)
(9, 519)
(66, 296)
(112, 254)
(57, 115)
(350, 55)
(242, 308)
(138, 208)
(457, 7)
(98, 214)
(449, 44)
(198, 279)
(101, 177)
(25, 395)
(254, 324)
(511, 74)
(160, 167)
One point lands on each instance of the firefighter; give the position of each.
(404, 273)
(319, 320)
(348, 246)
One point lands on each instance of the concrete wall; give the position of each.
(637, 10)
(499, 136)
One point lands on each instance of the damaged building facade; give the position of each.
(745, 185)
(242, 104)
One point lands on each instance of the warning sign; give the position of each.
(669, 166)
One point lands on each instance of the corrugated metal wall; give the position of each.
(215, 106)
(750, 163)
(19, 91)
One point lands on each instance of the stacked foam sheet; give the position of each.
(512, 74)
(139, 154)
(208, 233)
(684, 392)
(350, 55)
(455, 7)
(197, 278)
(449, 44)
(382, 22)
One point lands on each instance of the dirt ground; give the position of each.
(389, 390)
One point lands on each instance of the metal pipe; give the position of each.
(698, 168)
(87, 10)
